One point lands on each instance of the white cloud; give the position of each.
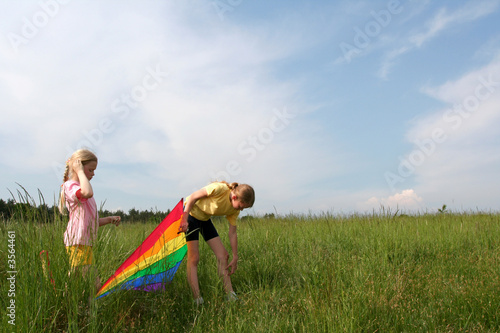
(464, 156)
(68, 87)
(407, 201)
(473, 102)
(442, 21)
(390, 60)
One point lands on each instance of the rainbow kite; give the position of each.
(155, 261)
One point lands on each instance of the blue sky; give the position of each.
(322, 106)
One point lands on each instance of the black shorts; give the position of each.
(195, 227)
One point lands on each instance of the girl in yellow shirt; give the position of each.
(216, 199)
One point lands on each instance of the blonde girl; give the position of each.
(216, 199)
(77, 196)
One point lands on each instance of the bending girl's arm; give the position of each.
(195, 196)
(190, 201)
(233, 240)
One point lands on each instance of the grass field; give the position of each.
(373, 273)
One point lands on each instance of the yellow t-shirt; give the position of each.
(217, 203)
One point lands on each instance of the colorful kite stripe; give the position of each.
(155, 261)
(148, 259)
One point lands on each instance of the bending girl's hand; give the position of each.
(233, 265)
(183, 227)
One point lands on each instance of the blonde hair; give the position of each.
(83, 155)
(244, 192)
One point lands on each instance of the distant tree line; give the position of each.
(30, 211)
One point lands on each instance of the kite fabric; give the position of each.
(155, 261)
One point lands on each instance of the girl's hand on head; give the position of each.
(77, 166)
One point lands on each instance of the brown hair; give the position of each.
(83, 155)
(244, 192)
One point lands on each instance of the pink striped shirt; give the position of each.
(83, 216)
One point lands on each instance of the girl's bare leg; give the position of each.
(193, 257)
(222, 261)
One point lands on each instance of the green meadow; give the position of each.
(382, 272)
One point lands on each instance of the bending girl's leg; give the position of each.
(222, 261)
(193, 257)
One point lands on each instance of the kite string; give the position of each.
(189, 233)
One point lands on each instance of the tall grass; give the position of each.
(322, 273)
